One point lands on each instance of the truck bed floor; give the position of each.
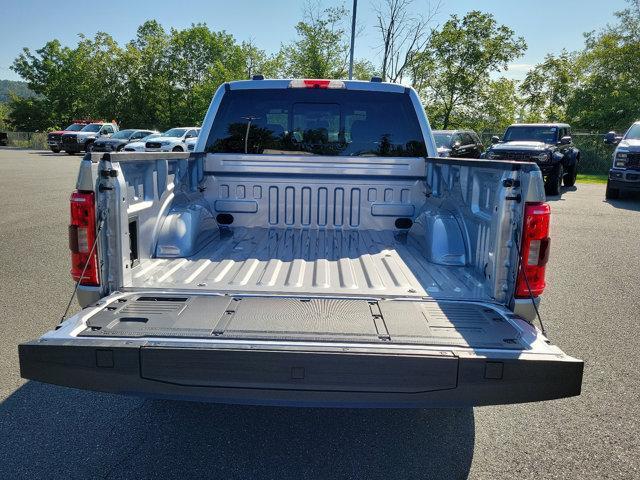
(364, 263)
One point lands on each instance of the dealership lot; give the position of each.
(590, 309)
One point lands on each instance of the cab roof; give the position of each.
(287, 83)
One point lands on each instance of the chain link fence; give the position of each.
(36, 141)
(595, 155)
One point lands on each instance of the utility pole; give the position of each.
(353, 37)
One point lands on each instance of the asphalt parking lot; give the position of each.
(591, 309)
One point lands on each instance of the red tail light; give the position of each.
(310, 83)
(534, 251)
(82, 236)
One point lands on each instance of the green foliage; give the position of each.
(606, 98)
(547, 88)
(29, 114)
(159, 79)
(165, 78)
(321, 50)
(496, 107)
(4, 117)
(162, 79)
(595, 155)
(364, 70)
(593, 178)
(596, 89)
(453, 71)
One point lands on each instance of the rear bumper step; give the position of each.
(301, 376)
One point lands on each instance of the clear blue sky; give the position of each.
(547, 25)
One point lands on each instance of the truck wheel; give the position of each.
(70, 153)
(55, 150)
(177, 149)
(612, 193)
(569, 178)
(553, 183)
(88, 147)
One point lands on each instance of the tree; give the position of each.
(150, 86)
(157, 80)
(321, 50)
(458, 60)
(29, 114)
(547, 88)
(606, 95)
(54, 73)
(258, 62)
(4, 116)
(364, 70)
(201, 60)
(496, 107)
(402, 34)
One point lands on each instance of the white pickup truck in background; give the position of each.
(82, 141)
(313, 250)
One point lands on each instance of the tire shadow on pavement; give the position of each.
(55, 432)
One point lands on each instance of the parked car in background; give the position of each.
(54, 139)
(82, 141)
(139, 145)
(118, 140)
(191, 143)
(549, 145)
(624, 175)
(458, 143)
(172, 140)
(3, 139)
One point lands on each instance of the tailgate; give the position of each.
(359, 353)
(332, 376)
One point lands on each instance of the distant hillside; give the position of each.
(17, 87)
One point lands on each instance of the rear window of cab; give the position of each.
(316, 122)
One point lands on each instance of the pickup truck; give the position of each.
(624, 175)
(312, 250)
(54, 139)
(82, 141)
(549, 145)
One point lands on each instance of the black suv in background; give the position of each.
(549, 145)
(458, 143)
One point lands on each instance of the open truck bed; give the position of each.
(302, 315)
(313, 256)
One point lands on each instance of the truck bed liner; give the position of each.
(365, 263)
